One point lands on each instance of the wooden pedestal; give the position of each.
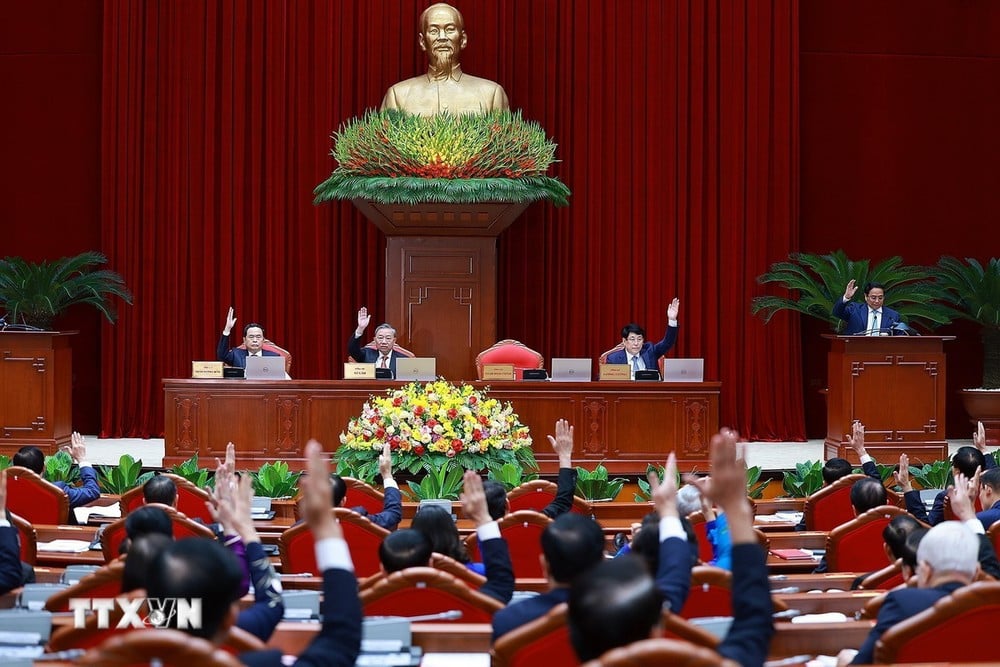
(895, 385)
(36, 389)
(441, 276)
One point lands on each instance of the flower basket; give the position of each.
(434, 426)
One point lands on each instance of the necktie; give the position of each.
(875, 330)
(384, 362)
(635, 364)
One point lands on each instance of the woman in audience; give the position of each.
(439, 528)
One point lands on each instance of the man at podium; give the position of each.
(871, 318)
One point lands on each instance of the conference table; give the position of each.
(625, 425)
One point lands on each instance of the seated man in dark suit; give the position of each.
(989, 496)
(160, 489)
(411, 548)
(639, 353)
(947, 559)
(872, 318)
(13, 573)
(253, 339)
(385, 340)
(33, 459)
(200, 568)
(392, 503)
(866, 494)
(618, 603)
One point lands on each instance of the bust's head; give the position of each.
(442, 35)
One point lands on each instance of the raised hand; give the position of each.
(230, 322)
(903, 474)
(363, 320)
(851, 288)
(857, 438)
(385, 462)
(474, 499)
(979, 437)
(664, 494)
(78, 447)
(961, 502)
(562, 443)
(673, 309)
(316, 506)
(3, 494)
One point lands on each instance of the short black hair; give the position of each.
(909, 554)
(439, 528)
(29, 457)
(572, 544)
(646, 543)
(197, 568)
(967, 459)
(633, 328)
(869, 286)
(990, 478)
(896, 532)
(339, 490)
(616, 604)
(142, 551)
(160, 489)
(148, 519)
(496, 498)
(867, 494)
(404, 548)
(252, 325)
(834, 469)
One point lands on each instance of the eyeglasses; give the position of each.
(635, 339)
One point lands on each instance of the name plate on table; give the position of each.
(615, 372)
(498, 371)
(206, 369)
(359, 371)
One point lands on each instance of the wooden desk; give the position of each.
(274, 419)
(817, 638)
(58, 559)
(806, 582)
(292, 638)
(844, 602)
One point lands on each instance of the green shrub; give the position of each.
(126, 475)
(60, 468)
(190, 471)
(439, 483)
(805, 480)
(511, 476)
(936, 475)
(596, 485)
(275, 480)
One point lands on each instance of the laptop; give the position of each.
(416, 368)
(265, 368)
(572, 370)
(683, 370)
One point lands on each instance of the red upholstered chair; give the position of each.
(190, 499)
(273, 347)
(509, 351)
(131, 500)
(972, 611)
(700, 528)
(396, 349)
(537, 494)
(362, 494)
(523, 532)
(831, 506)
(857, 546)
(711, 594)
(448, 564)
(603, 359)
(677, 627)
(658, 652)
(27, 537)
(297, 545)
(113, 536)
(424, 590)
(35, 499)
(169, 647)
(543, 641)
(105, 582)
(885, 579)
(994, 534)
(949, 514)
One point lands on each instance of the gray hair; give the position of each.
(688, 499)
(950, 547)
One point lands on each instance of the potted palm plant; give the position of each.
(971, 291)
(35, 294)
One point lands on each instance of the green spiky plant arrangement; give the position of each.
(393, 157)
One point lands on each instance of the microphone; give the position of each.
(450, 615)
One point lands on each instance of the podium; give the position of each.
(36, 390)
(441, 277)
(895, 385)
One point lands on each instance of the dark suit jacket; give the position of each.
(366, 355)
(236, 357)
(392, 510)
(78, 496)
(650, 353)
(10, 560)
(268, 609)
(565, 487)
(339, 640)
(673, 572)
(499, 570)
(915, 506)
(989, 516)
(900, 605)
(749, 637)
(525, 611)
(856, 316)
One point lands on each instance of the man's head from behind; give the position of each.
(571, 545)
(160, 489)
(442, 35)
(496, 499)
(339, 490)
(148, 519)
(199, 568)
(615, 604)
(834, 469)
(30, 457)
(948, 552)
(404, 548)
(895, 533)
(966, 460)
(867, 494)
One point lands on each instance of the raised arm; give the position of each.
(562, 445)
(673, 571)
(496, 556)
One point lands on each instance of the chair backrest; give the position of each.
(170, 647)
(885, 579)
(274, 347)
(105, 582)
(543, 641)
(191, 499)
(857, 546)
(949, 513)
(972, 611)
(711, 594)
(297, 545)
(538, 493)
(448, 564)
(994, 534)
(114, 534)
(362, 494)
(700, 528)
(658, 652)
(677, 627)
(27, 538)
(424, 590)
(831, 506)
(396, 349)
(131, 500)
(523, 532)
(34, 498)
(603, 359)
(509, 351)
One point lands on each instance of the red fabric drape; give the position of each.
(677, 126)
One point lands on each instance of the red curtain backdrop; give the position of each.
(677, 125)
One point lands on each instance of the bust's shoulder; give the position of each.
(480, 82)
(407, 84)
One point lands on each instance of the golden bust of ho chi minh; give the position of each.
(445, 87)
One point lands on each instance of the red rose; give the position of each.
(380, 433)
(477, 435)
(484, 420)
(452, 413)
(472, 400)
(397, 401)
(419, 410)
(456, 444)
(419, 450)
(432, 422)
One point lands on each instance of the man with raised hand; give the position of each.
(673, 571)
